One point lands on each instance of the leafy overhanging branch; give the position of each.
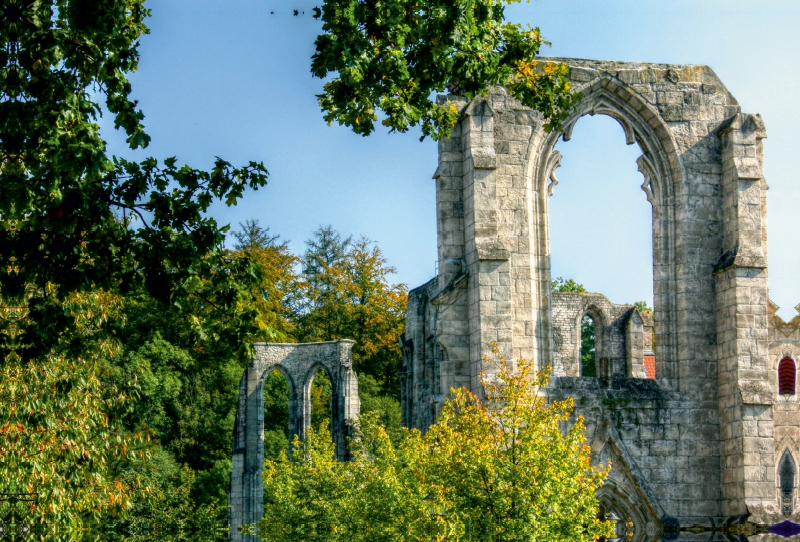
(388, 57)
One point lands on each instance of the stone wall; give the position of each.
(622, 335)
(698, 444)
(785, 342)
(298, 362)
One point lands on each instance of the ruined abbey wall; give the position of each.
(701, 443)
(298, 362)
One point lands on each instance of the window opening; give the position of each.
(600, 221)
(276, 414)
(787, 472)
(588, 347)
(787, 376)
(321, 393)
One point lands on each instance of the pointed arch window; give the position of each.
(588, 347)
(786, 474)
(787, 376)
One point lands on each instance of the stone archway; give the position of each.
(663, 175)
(702, 166)
(298, 363)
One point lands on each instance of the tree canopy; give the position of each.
(493, 470)
(126, 321)
(387, 57)
(80, 231)
(348, 296)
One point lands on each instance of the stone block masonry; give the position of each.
(298, 363)
(709, 438)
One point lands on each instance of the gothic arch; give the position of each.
(308, 381)
(663, 175)
(601, 322)
(624, 491)
(298, 363)
(630, 523)
(265, 371)
(787, 482)
(295, 419)
(787, 376)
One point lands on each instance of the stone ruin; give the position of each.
(298, 363)
(708, 440)
(714, 436)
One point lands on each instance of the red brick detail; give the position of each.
(787, 374)
(650, 366)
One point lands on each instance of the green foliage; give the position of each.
(494, 470)
(559, 284)
(63, 437)
(276, 403)
(376, 402)
(81, 235)
(588, 347)
(252, 236)
(347, 295)
(275, 290)
(171, 516)
(321, 392)
(642, 306)
(389, 56)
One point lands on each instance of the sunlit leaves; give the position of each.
(78, 230)
(387, 57)
(63, 436)
(498, 469)
(506, 465)
(347, 295)
(275, 290)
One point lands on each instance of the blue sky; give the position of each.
(227, 78)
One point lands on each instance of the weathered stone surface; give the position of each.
(298, 362)
(702, 442)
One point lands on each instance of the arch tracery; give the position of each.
(660, 167)
(787, 474)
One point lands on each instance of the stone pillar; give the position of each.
(634, 346)
(745, 397)
(345, 404)
(487, 258)
(449, 205)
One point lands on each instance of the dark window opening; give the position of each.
(787, 484)
(588, 350)
(321, 392)
(276, 415)
(787, 376)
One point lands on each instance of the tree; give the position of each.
(84, 235)
(252, 236)
(62, 435)
(275, 290)
(390, 56)
(78, 231)
(347, 296)
(560, 284)
(642, 306)
(493, 470)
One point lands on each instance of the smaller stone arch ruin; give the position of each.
(623, 335)
(298, 363)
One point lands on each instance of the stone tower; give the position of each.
(708, 438)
